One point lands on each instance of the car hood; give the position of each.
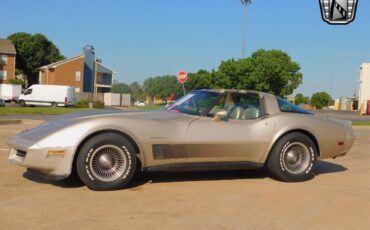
(133, 114)
(38, 133)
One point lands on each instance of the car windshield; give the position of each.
(285, 106)
(195, 103)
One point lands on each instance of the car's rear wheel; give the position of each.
(293, 158)
(106, 162)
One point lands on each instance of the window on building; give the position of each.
(3, 75)
(3, 59)
(77, 89)
(78, 76)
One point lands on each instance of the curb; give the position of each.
(20, 121)
(361, 126)
(10, 121)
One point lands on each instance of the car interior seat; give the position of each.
(236, 112)
(251, 113)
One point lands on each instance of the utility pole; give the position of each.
(245, 4)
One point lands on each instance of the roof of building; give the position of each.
(104, 69)
(6, 47)
(55, 64)
(101, 67)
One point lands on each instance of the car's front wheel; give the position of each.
(106, 162)
(293, 157)
(22, 103)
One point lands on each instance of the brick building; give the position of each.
(7, 61)
(84, 72)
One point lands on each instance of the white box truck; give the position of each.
(9, 92)
(49, 95)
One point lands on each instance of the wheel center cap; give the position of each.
(106, 162)
(292, 157)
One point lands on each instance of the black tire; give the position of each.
(53, 105)
(106, 162)
(293, 158)
(22, 103)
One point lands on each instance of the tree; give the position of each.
(300, 99)
(199, 80)
(136, 91)
(121, 88)
(162, 86)
(16, 81)
(320, 99)
(233, 74)
(270, 71)
(33, 51)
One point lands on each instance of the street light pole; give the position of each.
(245, 3)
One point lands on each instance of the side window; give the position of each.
(240, 106)
(287, 107)
(251, 106)
(217, 107)
(29, 91)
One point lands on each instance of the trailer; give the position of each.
(10, 92)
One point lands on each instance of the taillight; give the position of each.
(65, 100)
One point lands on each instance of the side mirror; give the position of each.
(220, 115)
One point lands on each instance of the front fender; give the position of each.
(75, 134)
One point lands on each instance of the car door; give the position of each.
(243, 136)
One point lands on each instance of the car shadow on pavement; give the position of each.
(167, 177)
(323, 167)
(71, 182)
(141, 178)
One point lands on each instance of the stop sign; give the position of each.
(182, 77)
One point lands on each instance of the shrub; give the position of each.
(99, 105)
(16, 81)
(82, 104)
(85, 104)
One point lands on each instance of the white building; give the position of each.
(364, 89)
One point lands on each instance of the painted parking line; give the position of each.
(4, 150)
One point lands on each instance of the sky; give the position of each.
(141, 39)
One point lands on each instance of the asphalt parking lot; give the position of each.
(338, 198)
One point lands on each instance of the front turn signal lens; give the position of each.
(56, 152)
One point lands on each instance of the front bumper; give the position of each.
(53, 166)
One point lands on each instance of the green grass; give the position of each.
(361, 123)
(35, 110)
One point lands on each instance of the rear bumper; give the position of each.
(339, 144)
(350, 139)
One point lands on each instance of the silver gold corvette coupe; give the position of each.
(206, 129)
